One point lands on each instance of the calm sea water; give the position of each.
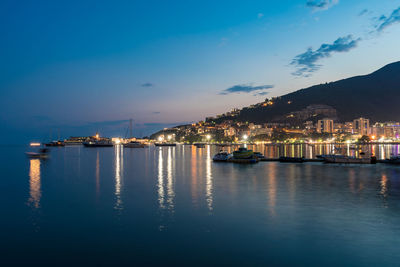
(165, 206)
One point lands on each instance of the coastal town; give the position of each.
(314, 124)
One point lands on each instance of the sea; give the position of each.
(174, 206)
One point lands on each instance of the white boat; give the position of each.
(42, 154)
(222, 156)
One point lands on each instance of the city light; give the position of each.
(208, 137)
(169, 137)
(160, 138)
(34, 144)
(245, 137)
(117, 141)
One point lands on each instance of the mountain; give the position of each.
(375, 96)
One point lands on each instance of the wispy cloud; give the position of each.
(156, 112)
(307, 62)
(223, 42)
(318, 5)
(260, 15)
(261, 93)
(245, 88)
(147, 85)
(385, 22)
(363, 12)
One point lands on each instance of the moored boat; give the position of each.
(43, 153)
(292, 159)
(55, 143)
(244, 161)
(243, 153)
(259, 155)
(350, 160)
(222, 156)
(98, 143)
(392, 160)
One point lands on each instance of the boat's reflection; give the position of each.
(35, 192)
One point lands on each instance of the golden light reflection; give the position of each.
(118, 171)
(209, 181)
(97, 173)
(272, 189)
(384, 185)
(194, 175)
(160, 183)
(170, 182)
(35, 192)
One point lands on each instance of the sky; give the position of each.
(77, 67)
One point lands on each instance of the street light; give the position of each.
(169, 137)
(245, 137)
(208, 137)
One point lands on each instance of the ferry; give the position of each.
(243, 153)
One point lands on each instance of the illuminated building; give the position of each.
(325, 126)
(361, 126)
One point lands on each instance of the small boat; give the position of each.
(222, 156)
(55, 143)
(98, 143)
(165, 144)
(259, 155)
(291, 159)
(243, 153)
(135, 144)
(42, 154)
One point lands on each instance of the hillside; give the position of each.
(375, 96)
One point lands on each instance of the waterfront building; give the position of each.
(361, 126)
(231, 131)
(325, 126)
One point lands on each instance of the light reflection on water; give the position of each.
(178, 197)
(35, 192)
(209, 181)
(381, 151)
(119, 166)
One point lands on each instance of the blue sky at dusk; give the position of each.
(82, 66)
